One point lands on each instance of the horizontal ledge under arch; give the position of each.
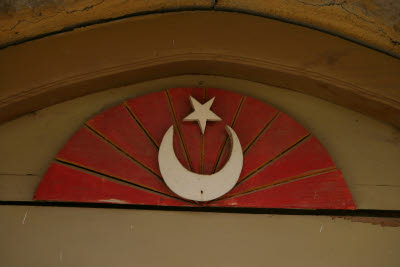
(60, 67)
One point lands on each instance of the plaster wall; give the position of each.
(51, 236)
(373, 23)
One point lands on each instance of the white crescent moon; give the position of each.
(199, 187)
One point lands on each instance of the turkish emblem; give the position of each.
(195, 147)
(200, 187)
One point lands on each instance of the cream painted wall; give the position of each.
(51, 236)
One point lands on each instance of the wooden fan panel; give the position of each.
(119, 127)
(252, 118)
(62, 183)
(154, 113)
(191, 136)
(114, 158)
(88, 150)
(279, 136)
(307, 158)
(226, 105)
(322, 191)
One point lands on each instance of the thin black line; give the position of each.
(250, 174)
(140, 124)
(113, 179)
(278, 182)
(179, 131)
(226, 138)
(203, 141)
(93, 130)
(261, 132)
(275, 211)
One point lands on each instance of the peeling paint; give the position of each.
(382, 221)
(113, 200)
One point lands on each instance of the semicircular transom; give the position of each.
(113, 158)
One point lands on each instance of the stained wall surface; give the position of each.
(374, 23)
(50, 236)
(366, 150)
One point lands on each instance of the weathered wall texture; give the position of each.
(22, 19)
(375, 23)
(52, 236)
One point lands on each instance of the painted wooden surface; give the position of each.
(282, 134)
(308, 157)
(189, 132)
(249, 129)
(90, 152)
(284, 167)
(254, 116)
(63, 183)
(118, 127)
(322, 191)
(156, 126)
(226, 105)
(364, 149)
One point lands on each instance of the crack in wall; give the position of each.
(214, 6)
(85, 8)
(325, 4)
(28, 21)
(17, 174)
(341, 4)
(56, 14)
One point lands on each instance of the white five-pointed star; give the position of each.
(202, 113)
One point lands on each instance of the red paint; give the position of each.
(90, 151)
(281, 134)
(323, 191)
(306, 158)
(144, 108)
(62, 183)
(215, 134)
(191, 134)
(252, 118)
(121, 129)
(283, 166)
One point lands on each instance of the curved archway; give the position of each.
(64, 66)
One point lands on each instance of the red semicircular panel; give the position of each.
(113, 158)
